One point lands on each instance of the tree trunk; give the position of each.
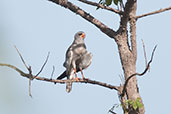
(128, 61)
(128, 57)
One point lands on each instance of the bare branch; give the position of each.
(60, 81)
(52, 72)
(64, 3)
(21, 58)
(112, 112)
(30, 88)
(43, 65)
(28, 68)
(16, 69)
(154, 12)
(145, 56)
(101, 6)
(80, 81)
(138, 74)
(113, 107)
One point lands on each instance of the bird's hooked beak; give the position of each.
(83, 35)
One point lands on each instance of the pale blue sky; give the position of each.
(39, 26)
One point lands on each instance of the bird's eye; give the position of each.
(80, 34)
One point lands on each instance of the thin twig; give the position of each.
(52, 72)
(28, 68)
(145, 56)
(21, 73)
(112, 112)
(154, 12)
(138, 74)
(30, 75)
(101, 6)
(112, 109)
(30, 88)
(21, 57)
(43, 64)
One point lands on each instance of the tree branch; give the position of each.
(138, 74)
(16, 69)
(101, 6)
(64, 3)
(43, 64)
(80, 81)
(53, 70)
(60, 81)
(30, 88)
(145, 56)
(28, 68)
(22, 59)
(154, 12)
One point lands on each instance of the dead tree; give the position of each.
(129, 95)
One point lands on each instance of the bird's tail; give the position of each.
(68, 86)
(63, 75)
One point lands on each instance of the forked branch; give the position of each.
(60, 81)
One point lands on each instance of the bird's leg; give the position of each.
(75, 71)
(82, 73)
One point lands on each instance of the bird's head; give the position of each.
(79, 36)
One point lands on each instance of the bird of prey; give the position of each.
(77, 59)
(82, 63)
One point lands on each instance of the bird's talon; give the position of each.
(77, 79)
(85, 78)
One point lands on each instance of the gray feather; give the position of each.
(68, 86)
